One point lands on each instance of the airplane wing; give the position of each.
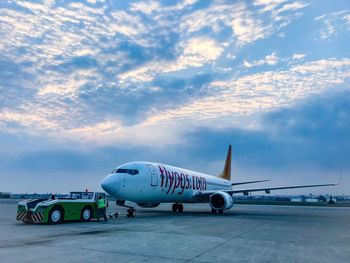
(265, 189)
(250, 182)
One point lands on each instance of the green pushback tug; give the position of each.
(79, 206)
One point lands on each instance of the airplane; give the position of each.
(148, 184)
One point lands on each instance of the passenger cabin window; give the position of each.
(126, 171)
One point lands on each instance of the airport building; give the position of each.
(5, 195)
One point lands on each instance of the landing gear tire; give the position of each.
(177, 208)
(221, 211)
(174, 208)
(130, 212)
(213, 211)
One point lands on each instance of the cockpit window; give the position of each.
(133, 171)
(121, 171)
(126, 171)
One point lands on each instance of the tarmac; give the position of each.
(246, 233)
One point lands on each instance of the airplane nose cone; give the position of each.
(111, 184)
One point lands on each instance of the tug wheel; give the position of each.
(56, 215)
(86, 214)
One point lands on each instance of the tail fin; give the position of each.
(226, 173)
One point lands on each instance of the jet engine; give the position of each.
(221, 201)
(148, 205)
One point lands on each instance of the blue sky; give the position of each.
(88, 85)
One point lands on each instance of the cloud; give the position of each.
(333, 23)
(236, 100)
(289, 7)
(320, 66)
(26, 120)
(196, 52)
(16, 82)
(101, 73)
(79, 59)
(247, 30)
(204, 48)
(68, 87)
(245, 27)
(298, 56)
(145, 7)
(271, 60)
(307, 142)
(268, 5)
(151, 7)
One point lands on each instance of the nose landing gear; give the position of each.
(177, 208)
(131, 212)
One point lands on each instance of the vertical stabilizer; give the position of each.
(226, 173)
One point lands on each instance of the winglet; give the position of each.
(226, 173)
(340, 178)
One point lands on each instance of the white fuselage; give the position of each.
(159, 183)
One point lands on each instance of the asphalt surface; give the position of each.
(246, 233)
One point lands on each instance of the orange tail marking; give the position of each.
(226, 173)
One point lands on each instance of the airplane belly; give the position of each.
(159, 195)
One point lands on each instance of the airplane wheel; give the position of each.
(174, 208)
(131, 212)
(180, 208)
(213, 211)
(221, 211)
(116, 215)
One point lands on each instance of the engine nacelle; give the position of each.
(148, 205)
(221, 201)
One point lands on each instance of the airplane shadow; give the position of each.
(231, 213)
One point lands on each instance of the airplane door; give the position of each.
(154, 178)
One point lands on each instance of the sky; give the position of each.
(86, 86)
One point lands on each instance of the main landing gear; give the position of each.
(131, 212)
(177, 208)
(214, 211)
